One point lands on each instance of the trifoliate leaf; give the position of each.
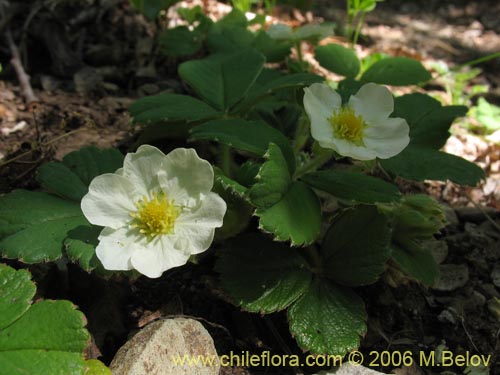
(273, 179)
(169, 108)
(417, 262)
(353, 186)
(71, 178)
(47, 338)
(421, 164)
(356, 247)
(338, 59)
(34, 225)
(251, 136)
(261, 275)
(223, 79)
(397, 71)
(328, 319)
(296, 217)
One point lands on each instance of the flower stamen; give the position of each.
(347, 125)
(155, 216)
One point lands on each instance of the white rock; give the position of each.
(152, 351)
(348, 369)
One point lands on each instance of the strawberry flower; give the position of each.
(360, 129)
(156, 211)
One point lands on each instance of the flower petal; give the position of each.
(372, 102)
(320, 101)
(321, 130)
(142, 167)
(346, 148)
(187, 175)
(388, 138)
(115, 249)
(157, 257)
(194, 240)
(208, 213)
(109, 201)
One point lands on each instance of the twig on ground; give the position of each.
(22, 76)
(483, 211)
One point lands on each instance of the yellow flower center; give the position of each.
(347, 125)
(155, 216)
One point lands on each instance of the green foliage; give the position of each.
(263, 276)
(429, 123)
(285, 219)
(151, 8)
(488, 115)
(38, 227)
(45, 338)
(338, 59)
(71, 178)
(251, 136)
(415, 220)
(328, 319)
(272, 181)
(168, 107)
(34, 225)
(353, 187)
(397, 71)
(223, 80)
(356, 247)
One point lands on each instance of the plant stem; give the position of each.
(301, 134)
(358, 28)
(314, 163)
(313, 257)
(225, 159)
(299, 51)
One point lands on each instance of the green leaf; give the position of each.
(295, 80)
(34, 225)
(418, 263)
(16, 292)
(296, 217)
(80, 245)
(90, 162)
(338, 59)
(239, 211)
(59, 179)
(151, 8)
(223, 80)
(228, 183)
(488, 114)
(356, 247)
(251, 136)
(421, 164)
(170, 107)
(397, 71)
(353, 186)
(413, 107)
(180, 41)
(70, 179)
(261, 275)
(328, 319)
(229, 38)
(429, 121)
(273, 50)
(96, 367)
(273, 179)
(47, 338)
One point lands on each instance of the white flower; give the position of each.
(361, 129)
(156, 211)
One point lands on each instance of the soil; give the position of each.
(86, 79)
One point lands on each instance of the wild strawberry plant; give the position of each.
(302, 181)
